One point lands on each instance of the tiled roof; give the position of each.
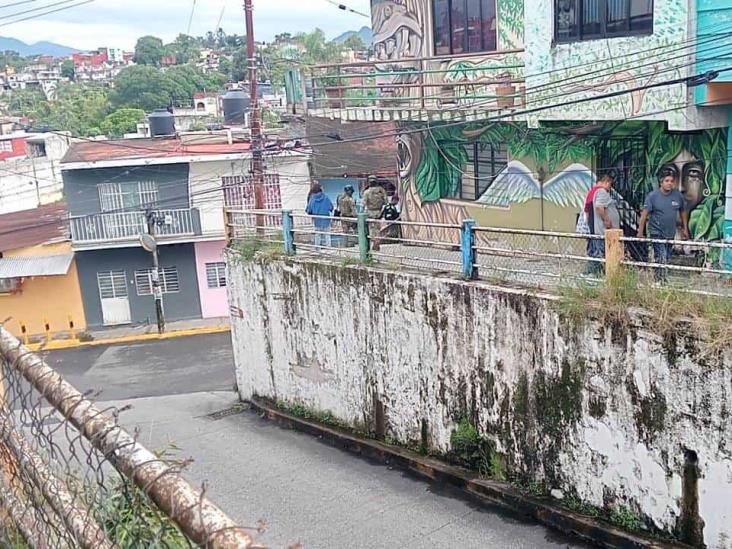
(33, 227)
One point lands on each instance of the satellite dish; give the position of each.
(148, 243)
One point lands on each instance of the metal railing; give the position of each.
(485, 81)
(105, 227)
(70, 476)
(537, 259)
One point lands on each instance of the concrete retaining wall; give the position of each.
(617, 415)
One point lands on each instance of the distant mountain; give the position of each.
(365, 34)
(39, 48)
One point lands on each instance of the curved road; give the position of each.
(306, 491)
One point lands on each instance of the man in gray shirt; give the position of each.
(661, 213)
(605, 216)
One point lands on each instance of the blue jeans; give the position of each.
(322, 236)
(661, 255)
(595, 249)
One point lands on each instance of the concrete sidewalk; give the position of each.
(312, 493)
(136, 334)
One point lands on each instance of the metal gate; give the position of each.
(627, 157)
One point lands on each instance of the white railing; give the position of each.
(130, 225)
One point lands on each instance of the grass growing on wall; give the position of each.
(709, 316)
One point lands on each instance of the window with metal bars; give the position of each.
(112, 284)
(216, 275)
(576, 20)
(127, 195)
(169, 283)
(484, 162)
(464, 26)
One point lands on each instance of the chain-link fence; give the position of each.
(537, 259)
(687, 265)
(70, 476)
(520, 257)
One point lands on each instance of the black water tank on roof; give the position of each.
(161, 123)
(236, 105)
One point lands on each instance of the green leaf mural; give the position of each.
(549, 148)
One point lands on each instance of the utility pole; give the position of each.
(152, 220)
(256, 116)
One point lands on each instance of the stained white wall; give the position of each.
(606, 412)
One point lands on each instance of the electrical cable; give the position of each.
(33, 10)
(46, 13)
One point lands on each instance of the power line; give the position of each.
(25, 12)
(190, 19)
(671, 82)
(2, 7)
(46, 13)
(343, 7)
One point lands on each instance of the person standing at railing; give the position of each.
(606, 216)
(374, 200)
(661, 213)
(321, 207)
(346, 209)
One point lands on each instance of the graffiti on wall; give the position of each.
(557, 166)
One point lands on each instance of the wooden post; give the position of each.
(614, 253)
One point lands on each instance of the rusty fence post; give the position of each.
(197, 517)
(614, 253)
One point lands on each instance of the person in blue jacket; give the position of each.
(320, 205)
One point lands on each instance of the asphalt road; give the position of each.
(310, 493)
(155, 368)
(306, 491)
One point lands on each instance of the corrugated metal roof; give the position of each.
(44, 265)
(31, 227)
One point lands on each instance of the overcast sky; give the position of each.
(118, 23)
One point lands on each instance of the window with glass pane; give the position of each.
(464, 26)
(484, 162)
(442, 26)
(216, 275)
(590, 19)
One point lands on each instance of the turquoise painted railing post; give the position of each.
(363, 238)
(288, 236)
(467, 247)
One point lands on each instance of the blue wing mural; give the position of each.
(517, 184)
(514, 185)
(570, 186)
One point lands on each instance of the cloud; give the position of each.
(118, 23)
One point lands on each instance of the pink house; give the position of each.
(211, 270)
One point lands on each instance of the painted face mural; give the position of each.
(690, 178)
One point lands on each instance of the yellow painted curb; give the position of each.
(61, 344)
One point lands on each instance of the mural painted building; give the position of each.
(507, 110)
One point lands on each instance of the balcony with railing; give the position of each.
(422, 89)
(120, 228)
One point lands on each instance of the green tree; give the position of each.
(12, 59)
(149, 50)
(239, 65)
(318, 49)
(121, 121)
(28, 103)
(78, 108)
(68, 69)
(143, 87)
(185, 48)
(226, 67)
(354, 42)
